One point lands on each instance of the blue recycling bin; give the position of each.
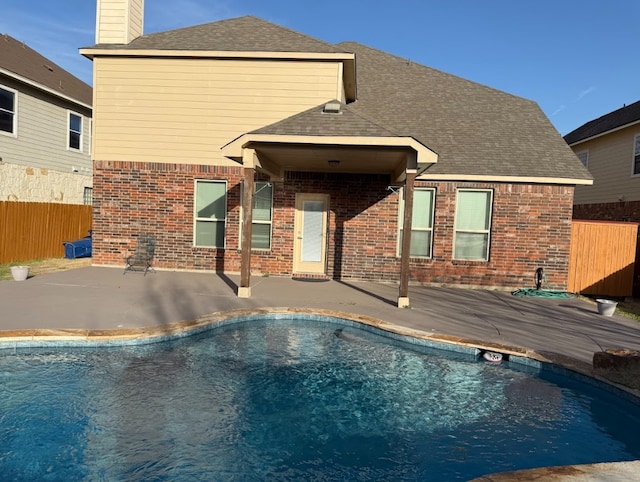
(78, 249)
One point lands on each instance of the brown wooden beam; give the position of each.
(403, 296)
(244, 290)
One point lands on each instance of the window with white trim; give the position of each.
(472, 224)
(8, 110)
(584, 158)
(210, 213)
(262, 217)
(75, 131)
(421, 223)
(636, 155)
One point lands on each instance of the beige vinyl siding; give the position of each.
(185, 110)
(110, 21)
(136, 16)
(42, 134)
(610, 163)
(118, 21)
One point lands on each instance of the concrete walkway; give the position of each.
(93, 299)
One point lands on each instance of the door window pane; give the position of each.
(312, 218)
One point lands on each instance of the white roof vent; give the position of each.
(332, 107)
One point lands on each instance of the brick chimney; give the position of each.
(119, 21)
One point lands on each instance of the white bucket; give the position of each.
(606, 307)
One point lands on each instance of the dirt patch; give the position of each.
(42, 266)
(56, 264)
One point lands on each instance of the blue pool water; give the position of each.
(294, 401)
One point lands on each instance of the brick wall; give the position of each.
(531, 225)
(134, 198)
(531, 228)
(618, 211)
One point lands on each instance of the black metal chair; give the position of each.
(142, 259)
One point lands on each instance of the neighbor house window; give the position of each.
(584, 158)
(7, 110)
(472, 224)
(421, 223)
(87, 196)
(262, 216)
(75, 131)
(210, 213)
(636, 155)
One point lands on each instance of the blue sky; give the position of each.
(578, 59)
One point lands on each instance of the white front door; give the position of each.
(310, 244)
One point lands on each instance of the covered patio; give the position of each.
(334, 139)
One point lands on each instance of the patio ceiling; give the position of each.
(343, 159)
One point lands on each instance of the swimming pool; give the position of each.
(284, 399)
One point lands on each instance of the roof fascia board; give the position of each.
(425, 155)
(510, 179)
(41, 87)
(98, 52)
(610, 131)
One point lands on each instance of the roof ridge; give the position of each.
(226, 26)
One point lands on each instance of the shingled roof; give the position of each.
(627, 115)
(242, 34)
(317, 122)
(19, 59)
(473, 128)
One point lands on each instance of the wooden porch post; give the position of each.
(403, 296)
(244, 290)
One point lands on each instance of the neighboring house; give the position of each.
(358, 165)
(610, 148)
(45, 129)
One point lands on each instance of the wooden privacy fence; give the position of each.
(38, 230)
(603, 256)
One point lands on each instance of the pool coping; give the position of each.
(40, 338)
